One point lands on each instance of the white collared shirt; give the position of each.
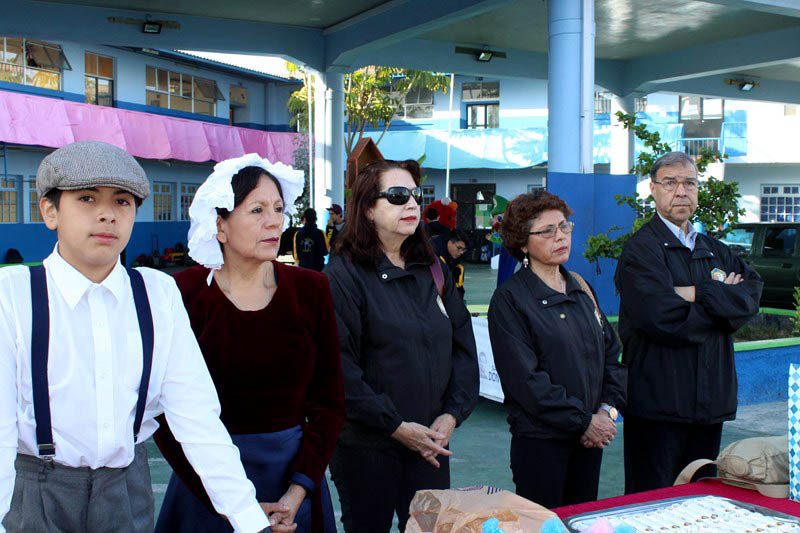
(686, 239)
(94, 368)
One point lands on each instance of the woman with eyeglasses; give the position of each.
(557, 358)
(408, 353)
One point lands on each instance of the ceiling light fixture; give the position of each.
(483, 55)
(742, 84)
(151, 27)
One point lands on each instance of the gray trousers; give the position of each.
(56, 498)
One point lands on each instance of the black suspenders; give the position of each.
(40, 342)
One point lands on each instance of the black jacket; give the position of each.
(556, 362)
(453, 264)
(404, 360)
(310, 248)
(679, 354)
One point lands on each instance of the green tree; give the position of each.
(373, 96)
(718, 201)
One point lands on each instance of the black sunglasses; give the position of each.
(401, 195)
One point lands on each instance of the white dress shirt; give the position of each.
(686, 239)
(94, 369)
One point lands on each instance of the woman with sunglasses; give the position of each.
(557, 358)
(408, 353)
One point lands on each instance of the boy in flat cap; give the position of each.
(90, 354)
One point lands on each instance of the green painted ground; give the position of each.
(481, 445)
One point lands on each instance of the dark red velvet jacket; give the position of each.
(274, 368)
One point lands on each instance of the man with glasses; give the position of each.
(682, 296)
(451, 248)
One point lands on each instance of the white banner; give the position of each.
(490, 381)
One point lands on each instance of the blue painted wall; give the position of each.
(764, 374)
(592, 198)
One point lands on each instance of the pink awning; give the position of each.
(37, 120)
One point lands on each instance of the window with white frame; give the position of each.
(163, 201)
(34, 214)
(780, 203)
(640, 104)
(417, 103)
(483, 116)
(699, 108)
(480, 90)
(188, 191)
(181, 92)
(30, 62)
(9, 198)
(428, 196)
(602, 103)
(99, 79)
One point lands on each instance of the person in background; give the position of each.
(434, 227)
(76, 410)
(450, 250)
(268, 335)
(309, 243)
(408, 352)
(682, 297)
(286, 246)
(557, 358)
(335, 225)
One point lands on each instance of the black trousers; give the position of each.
(656, 451)
(374, 484)
(555, 472)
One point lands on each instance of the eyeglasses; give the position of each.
(401, 195)
(549, 232)
(461, 249)
(671, 184)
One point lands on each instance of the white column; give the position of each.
(319, 193)
(570, 88)
(622, 140)
(336, 121)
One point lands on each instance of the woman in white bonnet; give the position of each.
(268, 335)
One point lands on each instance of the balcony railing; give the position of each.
(695, 146)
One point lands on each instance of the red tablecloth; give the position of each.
(703, 487)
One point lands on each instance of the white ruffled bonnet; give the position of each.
(217, 192)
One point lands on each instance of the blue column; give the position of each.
(570, 90)
(336, 157)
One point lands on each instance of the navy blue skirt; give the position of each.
(266, 458)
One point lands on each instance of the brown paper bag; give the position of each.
(465, 511)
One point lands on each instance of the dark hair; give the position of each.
(458, 235)
(432, 213)
(519, 216)
(243, 183)
(54, 197)
(672, 158)
(310, 216)
(359, 240)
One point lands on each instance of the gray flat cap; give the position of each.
(87, 164)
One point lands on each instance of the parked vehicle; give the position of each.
(771, 249)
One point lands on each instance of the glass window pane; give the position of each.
(174, 83)
(39, 56)
(181, 104)
(90, 63)
(13, 53)
(204, 108)
(425, 96)
(11, 73)
(493, 116)
(105, 92)
(156, 99)
(690, 108)
(779, 242)
(470, 91)
(90, 90)
(419, 111)
(163, 83)
(490, 89)
(43, 79)
(186, 86)
(150, 78)
(712, 108)
(105, 67)
(205, 90)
